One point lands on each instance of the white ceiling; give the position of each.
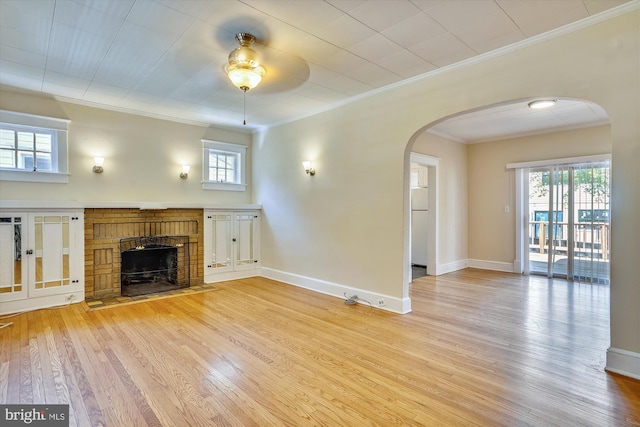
(517, 119)
(165, 58)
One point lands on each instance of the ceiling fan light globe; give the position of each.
(245, 78)
(243, 68)
(244, 57)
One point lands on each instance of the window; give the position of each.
(33, 148)
(223, 166)
(27, 149)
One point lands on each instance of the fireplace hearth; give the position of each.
(153, 264)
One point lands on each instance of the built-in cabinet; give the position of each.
(231, 244)
(419, 176)
(41, 259)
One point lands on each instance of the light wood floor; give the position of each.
(479, 348)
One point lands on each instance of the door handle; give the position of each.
(29, 251)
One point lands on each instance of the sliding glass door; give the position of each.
(568, 231)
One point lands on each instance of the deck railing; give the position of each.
(588, 239)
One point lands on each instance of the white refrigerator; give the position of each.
(419, 225)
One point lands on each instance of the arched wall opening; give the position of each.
(475, 191)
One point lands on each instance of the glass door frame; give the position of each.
(521, 178)
(554, 220)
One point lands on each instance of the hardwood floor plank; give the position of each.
(37, 378)
(14, 361)
(48, 384)
(26, 391)
(57, 373)
(133, 392)
(479, 349)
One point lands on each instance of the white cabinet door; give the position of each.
(56, 242)
(246, 227)
(13, 266)
(230, 241)
(419, 176)
(218, 248)
(41, 254)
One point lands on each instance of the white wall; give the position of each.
(349, 223)
(143, 157)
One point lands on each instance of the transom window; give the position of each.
(33, 148)
(223, 166)
(30, 149)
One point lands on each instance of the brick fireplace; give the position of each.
(104, 228)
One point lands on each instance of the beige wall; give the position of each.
(349, 223)
(143, 157)
(452, 196)
(326, 226)
(492, 187)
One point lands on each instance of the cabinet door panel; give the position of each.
(218, 244)
(51, 242)
(221, 256)
(13, 266)
(245, 232)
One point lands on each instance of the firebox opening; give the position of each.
(153, 264)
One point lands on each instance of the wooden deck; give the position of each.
(480, 348)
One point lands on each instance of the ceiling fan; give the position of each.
(274, 70)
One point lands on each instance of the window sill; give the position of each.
(208, 185)
(28, 176)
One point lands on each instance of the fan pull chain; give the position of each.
(244, 108)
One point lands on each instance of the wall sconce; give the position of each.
(98, 164)
(185, 171)
(307, 167)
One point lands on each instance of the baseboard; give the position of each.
(491, 265)
(451, 266)
(623, 362)
(231, 275)
(49, 301)
(393, 304)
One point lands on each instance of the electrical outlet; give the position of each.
(380, 302)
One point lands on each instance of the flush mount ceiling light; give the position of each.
(542, 103)
(244, 69)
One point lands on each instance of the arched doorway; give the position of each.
(490, 138)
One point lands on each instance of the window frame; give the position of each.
(57, 128)
(224, 148)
